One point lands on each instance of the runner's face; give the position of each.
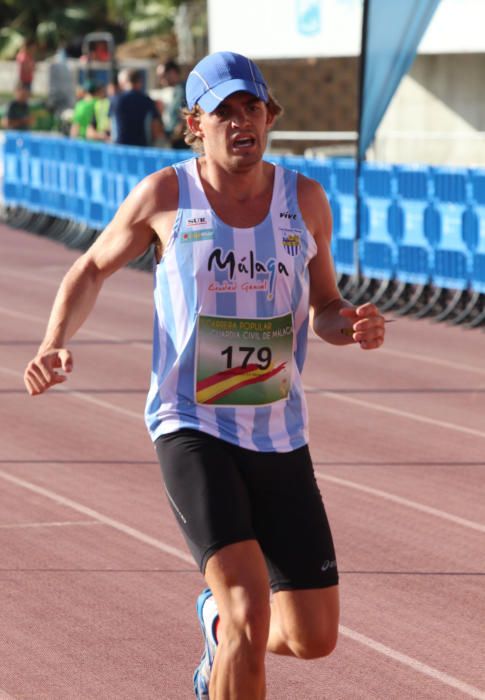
(236, 132)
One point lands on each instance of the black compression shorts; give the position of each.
(222, 494)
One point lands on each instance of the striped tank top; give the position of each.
(231, 322)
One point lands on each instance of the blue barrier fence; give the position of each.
(73, 179)
(419, 225)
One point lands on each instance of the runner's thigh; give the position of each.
(290, 521)
(206, 491)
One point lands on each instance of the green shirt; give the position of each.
(102, 121)
(83, 114)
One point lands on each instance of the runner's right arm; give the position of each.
(129, 234)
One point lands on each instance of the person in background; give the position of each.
(98, 51)
(84, 109)
(113, 88)
(100, 127)
(26, 64)
(60, 83)
(101, 51)
(169, 76)
(18, 114)
(135, 120)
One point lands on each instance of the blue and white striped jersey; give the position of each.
(231, 322)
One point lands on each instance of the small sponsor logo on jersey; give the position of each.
(197, 221)
(292, 243)
(194, 236)
(287, 215)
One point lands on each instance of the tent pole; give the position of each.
(358, 157)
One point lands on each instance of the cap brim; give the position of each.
(213, 98)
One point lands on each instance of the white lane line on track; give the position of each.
(84, 397)
(396, 412)
(414, 664)
(30, 317)
(432, 360)
(59, 523)
(99, 517)
(472, 525)
(102, 335)
(17, 273)
(104, 404)
(350, 484)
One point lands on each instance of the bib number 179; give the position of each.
(241, 356)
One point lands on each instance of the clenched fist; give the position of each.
(42, 372)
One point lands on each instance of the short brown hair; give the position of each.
(195, 142)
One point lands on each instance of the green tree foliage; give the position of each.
(151, 18)
(51, 22)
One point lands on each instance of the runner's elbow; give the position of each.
(88, 270)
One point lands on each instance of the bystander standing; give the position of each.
(135, 120)
(18, 115)
(172, 103)
(100, 127)
(26, 63)
(84, 109)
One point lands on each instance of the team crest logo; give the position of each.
(292, 244)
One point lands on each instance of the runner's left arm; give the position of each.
(334, 319)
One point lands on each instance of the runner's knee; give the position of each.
(313, 643)
(246, 622)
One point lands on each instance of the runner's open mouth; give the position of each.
(244, 142)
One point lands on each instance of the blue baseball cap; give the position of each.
(221, 74)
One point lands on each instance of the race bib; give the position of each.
(243, 361)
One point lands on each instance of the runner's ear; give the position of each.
(193, 123)
(270, 118)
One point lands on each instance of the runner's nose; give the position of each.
(240, 118)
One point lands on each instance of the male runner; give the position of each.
(244, 255)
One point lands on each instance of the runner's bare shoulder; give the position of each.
(157, 192)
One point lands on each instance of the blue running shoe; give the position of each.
(207, 620)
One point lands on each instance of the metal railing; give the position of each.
(330, 143)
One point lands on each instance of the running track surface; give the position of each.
(97, 590)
